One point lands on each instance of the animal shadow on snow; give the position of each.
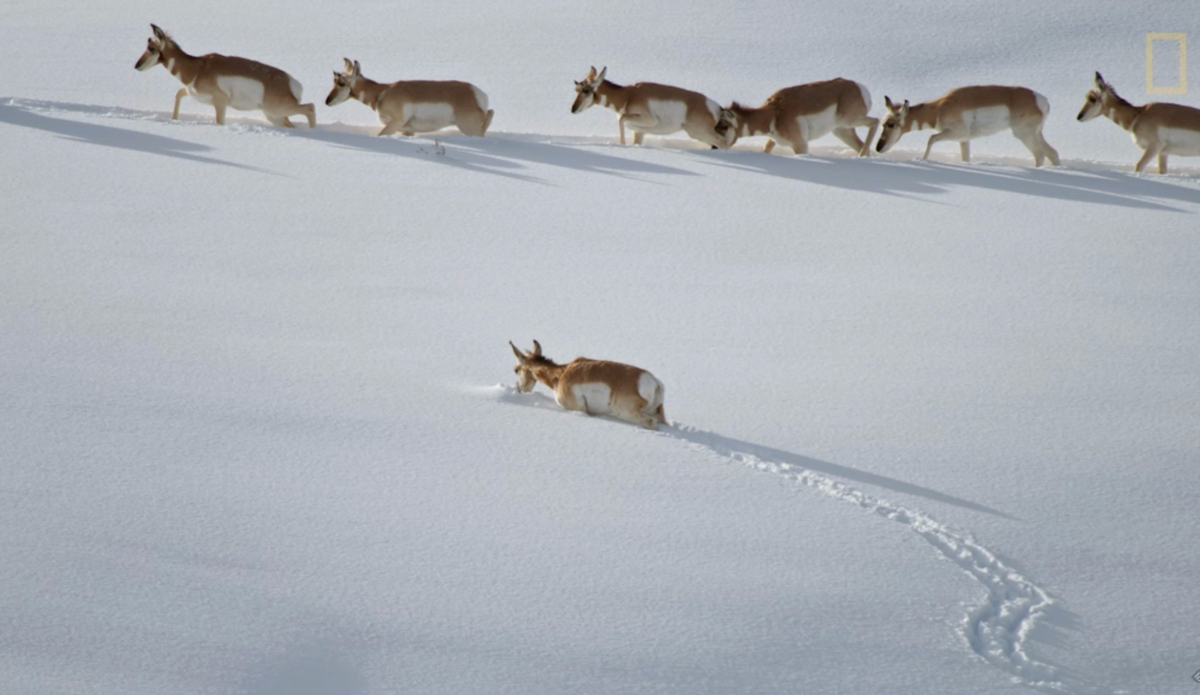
(501, 154)
(26, 114)
(569, 154)
(910, 178)
(356, 138)
(728, 447)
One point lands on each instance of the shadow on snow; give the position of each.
(20, 114)
(508, 154)
(924, 178)
(735, 448)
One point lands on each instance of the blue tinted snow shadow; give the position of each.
(500, 154)
(912, 178)
(23, 114)
(730, 447)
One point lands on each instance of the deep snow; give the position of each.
(260, 436)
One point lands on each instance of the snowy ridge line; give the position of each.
(999, 630)
(1182, 172)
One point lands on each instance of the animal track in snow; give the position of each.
(999, 630)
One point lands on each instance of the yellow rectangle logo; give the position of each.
(1180, 88)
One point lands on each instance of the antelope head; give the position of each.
(155, 46)
(729, 123)
(585, 89)
(343, 82)
(526, 363)
(893, 125)
(1096, 99)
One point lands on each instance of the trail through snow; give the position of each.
(998, 630)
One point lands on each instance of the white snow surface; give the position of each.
(937, 426)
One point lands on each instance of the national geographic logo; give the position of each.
(1181, 41)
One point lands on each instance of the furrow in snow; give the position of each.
(998, 630)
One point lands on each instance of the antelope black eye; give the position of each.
(1091, 100)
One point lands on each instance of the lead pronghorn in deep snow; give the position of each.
(595, 387)
(795, 116)
(967, 113)
(228, 82)
(409, 107)
(658, 109)
(1159, 128)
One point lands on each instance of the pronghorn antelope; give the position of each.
(967, 113)
(657, 109)
(1158, 128)
(594, 387)
(409, 107)
(795, 116)
(228, 82)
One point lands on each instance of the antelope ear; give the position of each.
(603, 72)
(336, 74)
(158, 32)
(591, 73)
(520, 357)
(357, 69)
(887, 101)
(904, 109)
(537, 349)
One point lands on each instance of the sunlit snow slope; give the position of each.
(934, 424)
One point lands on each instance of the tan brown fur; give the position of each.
(625, 400)
(793, 116)
(200, 74)
(396, 103)
(1151, 125)
(635, 108)
(947, 116)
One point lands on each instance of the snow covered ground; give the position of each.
(936, 425)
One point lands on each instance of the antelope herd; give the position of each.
(793, 116)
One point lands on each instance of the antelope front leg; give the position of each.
(1162, 163)
(935, 138)
(638, 123)
(220, 107)
(964, 149)
(1151, 153)
(178, 96)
